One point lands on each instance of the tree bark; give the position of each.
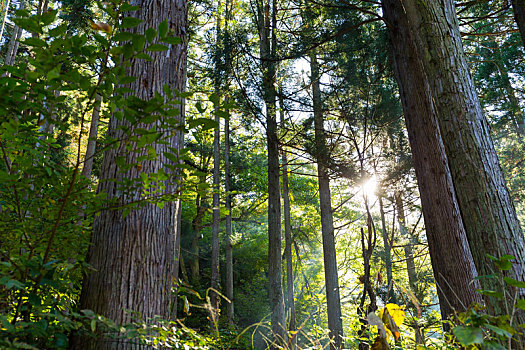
(5, 11)
(92, 139)
(391, 298)
(518, 6)
(445, 232)
(290, 302)
(229, 248)
(267, 20)
(133, 256)
(215, 246)
(14, 42)
(487, 210)
(517, 116)
(196, 225)
(411, 266)
(335, 323)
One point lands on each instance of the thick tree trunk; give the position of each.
(335, 323)
(266, 18)
(290, 302)
(229, 248)
(445, 232)
(518, 6)
(133, 256)
(92, 139)
(487, 210)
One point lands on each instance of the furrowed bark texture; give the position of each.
(451, 259)
(487, 210)
(267, 21)
(133, 256)
(335, 323)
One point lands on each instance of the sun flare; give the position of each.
(370, 186)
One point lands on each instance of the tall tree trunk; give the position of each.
(267, 20)
(12, 49)
(229, 247)
(411, 266)
(388, 252)
(215, 246)
(516, 112)
(487, 210)
(92, 139)
(335, 323)
(4, 12)
(230, 309)
(292, 327)
(445, 232)
(196, 225)
(133, 256)
(518, 6)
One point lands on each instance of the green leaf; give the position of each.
(130, 22)
(163, 28)
(35, 42)
(214, 98)
(150, 34)
(199, 107)
(515, 283)
(171, 156)
(93, 325)
(53, 73)
(499, 331)
(139, 41)
(127, 80)
(127, 50)
(48, 17)
(157, 47)
(205, 123)
(520, 304)
(128, 7)
(503, 265)
(123, 36)
(144, 56)
(468, 335)
(490, 293)
(59, 30)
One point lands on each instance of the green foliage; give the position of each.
(477, 327)
(46, 205)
